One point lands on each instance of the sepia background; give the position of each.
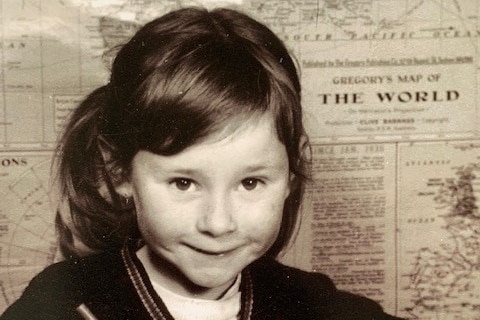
(391, 98)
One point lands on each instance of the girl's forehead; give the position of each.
(254, 144)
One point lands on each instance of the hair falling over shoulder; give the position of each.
(179, 79)
(91, 216)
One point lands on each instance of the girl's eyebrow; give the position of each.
(173, 169)
(182, 171)
(262, 167)
(190, 171)
(248, 168)
(266, 166)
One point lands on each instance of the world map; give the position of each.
(53, 52)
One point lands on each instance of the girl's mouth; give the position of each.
(218, 253)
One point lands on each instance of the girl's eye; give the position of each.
(182, 184)
(250, 183)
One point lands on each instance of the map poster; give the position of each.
(371, 70)
(391, 96)
(27, 232)
(395, 90)
(439, 223)
(348, 227)
(414, 229)
(388, 70)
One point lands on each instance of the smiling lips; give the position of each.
(215, 253)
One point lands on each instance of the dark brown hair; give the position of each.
(181, 78)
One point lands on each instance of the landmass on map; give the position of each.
(446, 281)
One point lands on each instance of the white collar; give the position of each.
(186, 308)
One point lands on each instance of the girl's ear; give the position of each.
(291, 184)
(117, 179)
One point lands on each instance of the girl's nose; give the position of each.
(217, 217)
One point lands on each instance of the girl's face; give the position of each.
(212, 209)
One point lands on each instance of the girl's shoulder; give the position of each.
(269, 272)
(56, 292)
(81, 271)
(307, 295)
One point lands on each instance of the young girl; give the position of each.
(183, 178)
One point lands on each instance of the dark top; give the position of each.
(116, 286)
